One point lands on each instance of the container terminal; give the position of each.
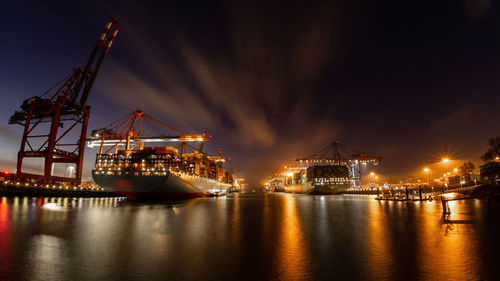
(52, 120)
(332, 170)
(131, 168)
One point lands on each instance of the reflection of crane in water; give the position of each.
(338, 154)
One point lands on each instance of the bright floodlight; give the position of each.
(426, 169)
(445, 160)
(372, 174)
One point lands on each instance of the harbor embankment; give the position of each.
(488, 192)
(13, 190)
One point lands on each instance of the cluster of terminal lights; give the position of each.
(157, 161)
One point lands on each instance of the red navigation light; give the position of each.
(6, 172)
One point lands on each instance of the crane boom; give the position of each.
(129, 133)
(90, 72)
(77, 84)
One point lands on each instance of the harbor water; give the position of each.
(247, 236)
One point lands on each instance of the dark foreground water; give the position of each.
(247, 236)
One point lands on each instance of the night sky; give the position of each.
(273, 80)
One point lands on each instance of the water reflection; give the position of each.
(5, 242)
(292, 256)
(433, 246)
(380, 247)
(246, 236)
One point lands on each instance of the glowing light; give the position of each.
(445, 160)
(426, 170)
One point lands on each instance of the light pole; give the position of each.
(426, 170)
(445, 163)
(445, 175)
(372, 176)
(70, 170)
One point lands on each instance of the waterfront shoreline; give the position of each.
(10, 191)
(487, 192)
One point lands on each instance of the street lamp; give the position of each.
(445, 162)
(426, 170)
(372, 176)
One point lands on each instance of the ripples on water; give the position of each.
(246, 236)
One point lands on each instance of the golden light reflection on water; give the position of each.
(445, 247)
(293, 257)
(245, 236)
(449, 244)
(379, 244)
(236, 222)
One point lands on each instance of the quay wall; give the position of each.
(12, 190)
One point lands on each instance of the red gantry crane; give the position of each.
(129, 132)
(65, 104)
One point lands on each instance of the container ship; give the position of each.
(333, 170)
(166, 172)
(319, 179)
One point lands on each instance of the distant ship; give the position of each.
(332, 170)
(156, 172)
(317, 179)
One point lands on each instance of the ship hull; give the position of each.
(308, 188)
(299, 188)
(166, 185)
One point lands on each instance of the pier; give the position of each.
(410, 193)
(421, 194)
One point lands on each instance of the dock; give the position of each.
(418, 194)
(11, 189)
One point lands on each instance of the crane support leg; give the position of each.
(81, 144)
(51, 146)
(20, 154)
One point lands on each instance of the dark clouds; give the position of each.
(257, 99)
(8, 134)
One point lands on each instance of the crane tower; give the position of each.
(62, 106)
